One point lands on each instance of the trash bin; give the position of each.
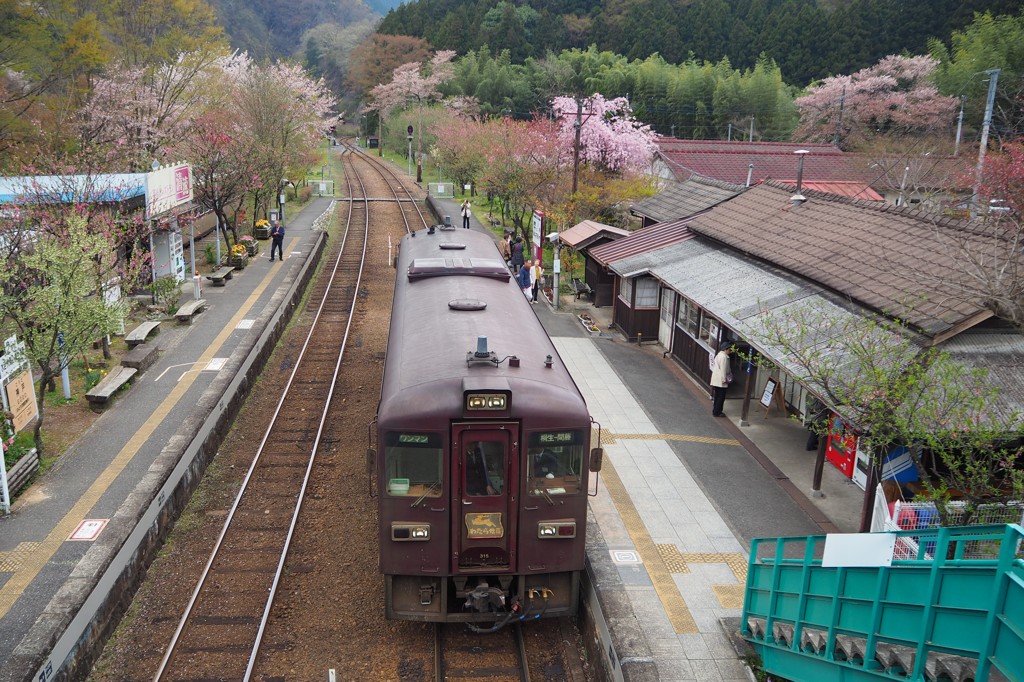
(447, 221)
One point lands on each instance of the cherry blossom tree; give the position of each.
(139, 111)
(412, 82)
(610, 138)
(895, 97)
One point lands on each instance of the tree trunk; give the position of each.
(38, 433)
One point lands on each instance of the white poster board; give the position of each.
(851, 550)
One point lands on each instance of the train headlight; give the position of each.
(410, 532)
(486, 401)
(547, 530)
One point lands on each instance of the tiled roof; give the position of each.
(583, 233)
(863, 250)
(683, 199)
(732, 161)
(741, 291)
(853, 190)
(647, 239)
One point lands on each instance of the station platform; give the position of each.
(681, 495)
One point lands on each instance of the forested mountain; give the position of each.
(267, 28)
(808, 39)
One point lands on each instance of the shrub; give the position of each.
(211, 255)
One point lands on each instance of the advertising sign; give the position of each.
(22, 399)
(168, 187)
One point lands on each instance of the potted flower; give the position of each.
(239, 256)
(252, 247)
(262, 230)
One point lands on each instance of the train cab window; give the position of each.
(413, 464)
(554, 462)
(485, 468)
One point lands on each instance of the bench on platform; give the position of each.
(142, 332)
(186, 312)
(101, 392)
(219, 277)
(581, 288)
(141, 357)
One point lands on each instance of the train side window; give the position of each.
(413, 464)
(554, 462)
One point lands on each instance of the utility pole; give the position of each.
(959, 125)
(839, 123)
(989, 104)
(578, 125)
(751, 138)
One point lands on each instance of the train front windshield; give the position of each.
(413, 464)
(554, 462)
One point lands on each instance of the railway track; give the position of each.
(467, 656)
(222, 630)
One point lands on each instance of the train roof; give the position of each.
(451, 288)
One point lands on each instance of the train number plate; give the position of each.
(484, 525)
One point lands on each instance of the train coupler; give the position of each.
(486, 599)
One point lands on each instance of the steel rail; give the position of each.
(172, 646)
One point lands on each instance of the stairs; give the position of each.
(952, 617)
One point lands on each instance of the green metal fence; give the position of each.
(944, 614)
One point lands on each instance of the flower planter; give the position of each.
(588, 324)
(252, 249)
(239, 262)
(261, 232)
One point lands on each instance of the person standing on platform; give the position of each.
(524, 279)
(466, 211)
(277, 241)
(536, 279)
(720, 376)
(517, 253)
(505, 247)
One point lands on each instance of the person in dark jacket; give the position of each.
(524, 279)
(277, 241)
(517, 253)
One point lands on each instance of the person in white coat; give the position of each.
(720, 375)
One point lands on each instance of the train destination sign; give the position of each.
(557, 437)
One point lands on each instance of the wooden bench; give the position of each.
(141, 333)
(141, 357)
(219, 277)
(580, 288)
(24, 469)
(190, 309)
(101, 392)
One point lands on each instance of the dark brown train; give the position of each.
(482, 446)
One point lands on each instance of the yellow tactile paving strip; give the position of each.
(12, 560)
(729, 596)
(608, 437)
(675, 606)
(34, 560)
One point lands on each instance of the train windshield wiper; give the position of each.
(433, 486)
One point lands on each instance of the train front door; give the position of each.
(484, 463)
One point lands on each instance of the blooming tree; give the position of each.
(412, 82)
(894, 97)
(610, 138)
(140, 111)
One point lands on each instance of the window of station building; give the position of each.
(688, 316)
(646, 293)
(626, 289)
(709, 331)
(413, 464)
(554, 462)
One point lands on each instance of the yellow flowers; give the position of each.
(237, 250)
